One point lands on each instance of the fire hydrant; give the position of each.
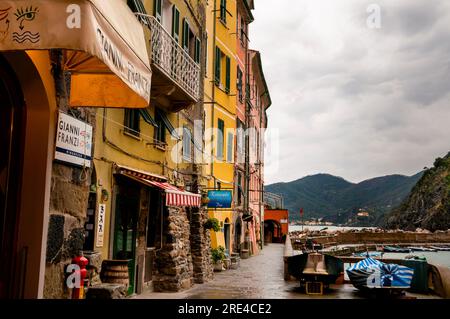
(82, 262)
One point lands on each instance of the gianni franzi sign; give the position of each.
(73, 141)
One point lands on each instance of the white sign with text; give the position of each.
(100, 224)
(73, 141)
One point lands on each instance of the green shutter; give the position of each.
(227, 80)
(185, 35)
(217, 71)
(175, 23)
(157, 9)
(220, 138)
(197, 50)
(223, 10)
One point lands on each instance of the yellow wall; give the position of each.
(221, 105)
(135, 152)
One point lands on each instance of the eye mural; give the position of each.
(23, 16)
(4, 23)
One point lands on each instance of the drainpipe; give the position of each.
(213, 92)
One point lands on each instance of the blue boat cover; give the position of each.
(372, 273)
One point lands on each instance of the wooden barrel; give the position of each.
(115, 272)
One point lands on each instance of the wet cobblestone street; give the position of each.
(260, 276)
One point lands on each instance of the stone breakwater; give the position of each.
(372, 236)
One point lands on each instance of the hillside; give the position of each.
(428, 205)
(335, 199)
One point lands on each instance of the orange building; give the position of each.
(276, 223)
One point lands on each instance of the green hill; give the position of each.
(335, 199)
(428, 205)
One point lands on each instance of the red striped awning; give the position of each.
(176, 196)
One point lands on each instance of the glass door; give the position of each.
(126, 218)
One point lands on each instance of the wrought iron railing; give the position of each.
(171, 58)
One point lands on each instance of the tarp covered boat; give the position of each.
(371, 273)
(315, 267)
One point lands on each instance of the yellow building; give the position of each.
(220, 110)
(144, 156)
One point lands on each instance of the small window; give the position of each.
(186, 32)
(220, 138)
(157, 9)
(223, 11)
(240, 84)
(239, 190)
(175, 23)
(197, 55)
(131, 122)
(160, 131)
(187, 144)
(227, 74)
(218, 72)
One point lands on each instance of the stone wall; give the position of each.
(201, 247)
(173, 263)
(68, 198)
(383, 238)
(68, 205)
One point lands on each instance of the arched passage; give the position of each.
(272, 231)
(27, 78)
(237, 235)
(226, 233)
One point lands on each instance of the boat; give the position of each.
(413, 248)
(315, 267)
(374, 274)
(415, 257)
(368, 254)
(394, 249)
(440, 248)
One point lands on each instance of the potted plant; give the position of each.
(218, 256)
(212, 223)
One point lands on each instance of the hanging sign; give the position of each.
(100, 224)
(219, 199)
(73, 141)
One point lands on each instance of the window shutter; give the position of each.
(185, 35)
(223, 10)
(217, 71)
(220, 138)
(158, 10)
(227, 80)
(175, 23)
(197, 50)
(230, 148)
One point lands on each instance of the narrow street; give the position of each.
(258, 277)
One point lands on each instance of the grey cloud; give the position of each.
(351, 101)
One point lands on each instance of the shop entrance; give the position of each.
(11, 114)
(125, 227)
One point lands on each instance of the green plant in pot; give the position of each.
(213, 224)
(218, 256)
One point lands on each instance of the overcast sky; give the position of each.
(350, 100)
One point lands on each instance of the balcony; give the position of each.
(176, 76)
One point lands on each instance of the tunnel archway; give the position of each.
(272, 231)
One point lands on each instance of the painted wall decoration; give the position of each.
(24, 17)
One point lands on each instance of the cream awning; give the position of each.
(104, 46)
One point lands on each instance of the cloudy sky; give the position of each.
(349, 99)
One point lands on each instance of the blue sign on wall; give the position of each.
(219, 199)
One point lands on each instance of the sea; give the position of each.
(437, 258)
(328, 228)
